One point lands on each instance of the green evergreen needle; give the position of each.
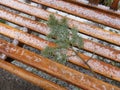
(63, 37)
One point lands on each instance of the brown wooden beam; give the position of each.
(114, 5)
(88, 45)
(37, 80)
(74, 77)
(94, 2)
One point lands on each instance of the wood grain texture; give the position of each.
(82, 27)
(74, 77)
(84, 12)
(37, 80)
(112, 72)
(114, 5)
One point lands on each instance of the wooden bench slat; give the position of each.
(84, 28)
(24, 37)
(26, 8)
(42, 28)
(98, 7)
(62, 72)
(94, 2)
(37, 80)
(41, 43)
(96, 32)
(98, 66)
(102, 50)
(84, 12)
(22, 21)
(115, 4)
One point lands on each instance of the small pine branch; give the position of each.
(65, 39)
(106, 2)
(57, 54)
(64, 36)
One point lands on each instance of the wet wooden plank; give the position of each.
(94, 2)
(87, 29)
(24, 37)
(115, 4)
(23, 21)
(82, 27)
(97, 66)
(42, 28)
(41, 44)
(37, 80)
(102, 50)
(98, 7)
(84, 12)
(63, 72)
(113, 72)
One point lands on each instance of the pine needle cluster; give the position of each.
(106, 2)
(63, 37)
(2, 21)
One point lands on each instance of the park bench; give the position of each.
(91, 11)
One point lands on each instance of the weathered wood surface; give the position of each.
(43, 29)
(41, 44)
(97, 7)
(83, 28)
(84, 12)
(115, 4)
(62, 72)
(47, 85)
